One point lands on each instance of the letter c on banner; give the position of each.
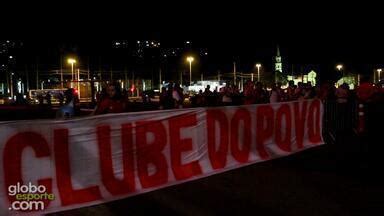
(13, 151)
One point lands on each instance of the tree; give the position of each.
(282, 78)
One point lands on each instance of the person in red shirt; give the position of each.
(249, 93)
(114, 102)
(366, 91)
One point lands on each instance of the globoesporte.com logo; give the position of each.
(29, 197)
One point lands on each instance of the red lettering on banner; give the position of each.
(113, 185)
(300, 116)
(178, 145)
(241, 155)
(314, 131)
(264, 113)
(151, 153)
(12, 159)
(218, 158)
(283, 143)
(68, 195)
(144, 148)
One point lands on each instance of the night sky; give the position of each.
(324, 34)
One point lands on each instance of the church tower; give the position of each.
(277, 60)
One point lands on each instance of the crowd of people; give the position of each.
(112, 99)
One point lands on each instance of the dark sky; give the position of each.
(308, 33)
(307, 47)
(304, 38)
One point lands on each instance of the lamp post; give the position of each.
(61, 74)
(190, 60)
(258, 72)
(379, 73)
(339, 67)
(78, 82)
(72, 62)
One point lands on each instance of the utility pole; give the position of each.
(27, 74)
(125, 79)
(61, 72)
(37, 73)
(181, 78)
(11, 84)
(111, 74)
(133, 81)
(88, 69)
(234, 73)
(160, 81)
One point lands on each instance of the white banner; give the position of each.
(49, 166)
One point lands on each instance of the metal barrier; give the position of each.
(339, 118)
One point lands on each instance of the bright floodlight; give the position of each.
(71, 61)
(190, 59)
(339, 67)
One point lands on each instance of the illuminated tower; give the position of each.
(278, 63)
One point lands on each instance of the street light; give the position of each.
(258, 72)
(339, 68)
(379, 73)
(190, 60)
(72, 62)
